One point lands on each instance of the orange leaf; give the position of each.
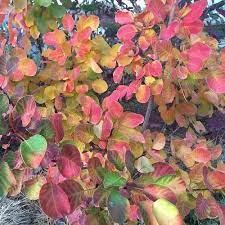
(27, 67)
(201, 155)
(143, 94)
(68, 22)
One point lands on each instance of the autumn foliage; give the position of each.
(66, 137)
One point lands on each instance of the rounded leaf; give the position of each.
(99, 86)
(54, 201)
(33, 150)
(69, 162)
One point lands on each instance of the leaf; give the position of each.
(84, 22)
(69, 161)
(57, 37)
(74, 192)
(4, 103)
(143, 93)
(195, 11)
(216, 179)
(56, 120)
(118, 207)
(113, 179)
(27, 67)
(33, 150)
(54, 201)
(166, 213)
(159, 141)
(44, 3)
(99, 86)
(56, 10)
(33, 187)
(143, 165)
(201, 155)
(131, 120)
(153, 69)
(126, 32)
(46, 129)
(117, 74)
(68, 22)
(124, 17)
(114, 157)
(216, 82)
(4, 126)
(7, 179)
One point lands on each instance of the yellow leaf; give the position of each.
(20, 5)
(94, 66)
(87, 21)
(99, 86)
(34, 32)
(50, 92)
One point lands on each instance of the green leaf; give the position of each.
(45, 3)
(7, 179)
(33, 187)
(46, 129)
(42, 24)
(166, 213)
(3, 126)
(118, 207)
(165, 180)
(33, 150)
(57, 11)
(4, 103)
(115, 159)
(143, 165)
(113, 179)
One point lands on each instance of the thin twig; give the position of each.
(147, 114)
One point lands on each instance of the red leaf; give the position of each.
(69, 161)
(56, 120)
(124, 17)
(158, 192)
(117, 74)
(193, 28)
(195, 65)
(132, 120)
(54, 201)
(68, 22)
(126, 32)
(216, 179)
(74, 192)
(162, 169)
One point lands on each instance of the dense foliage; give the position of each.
(66, 138)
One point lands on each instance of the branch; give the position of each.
(147, 114)
(212, 7)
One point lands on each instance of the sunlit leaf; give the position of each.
(33, 150)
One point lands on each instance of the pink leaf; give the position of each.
(126, 32)
(153, 69)
(68, 22)
(131, 120)
(216, 82)
(124, 17)
(117, 74)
